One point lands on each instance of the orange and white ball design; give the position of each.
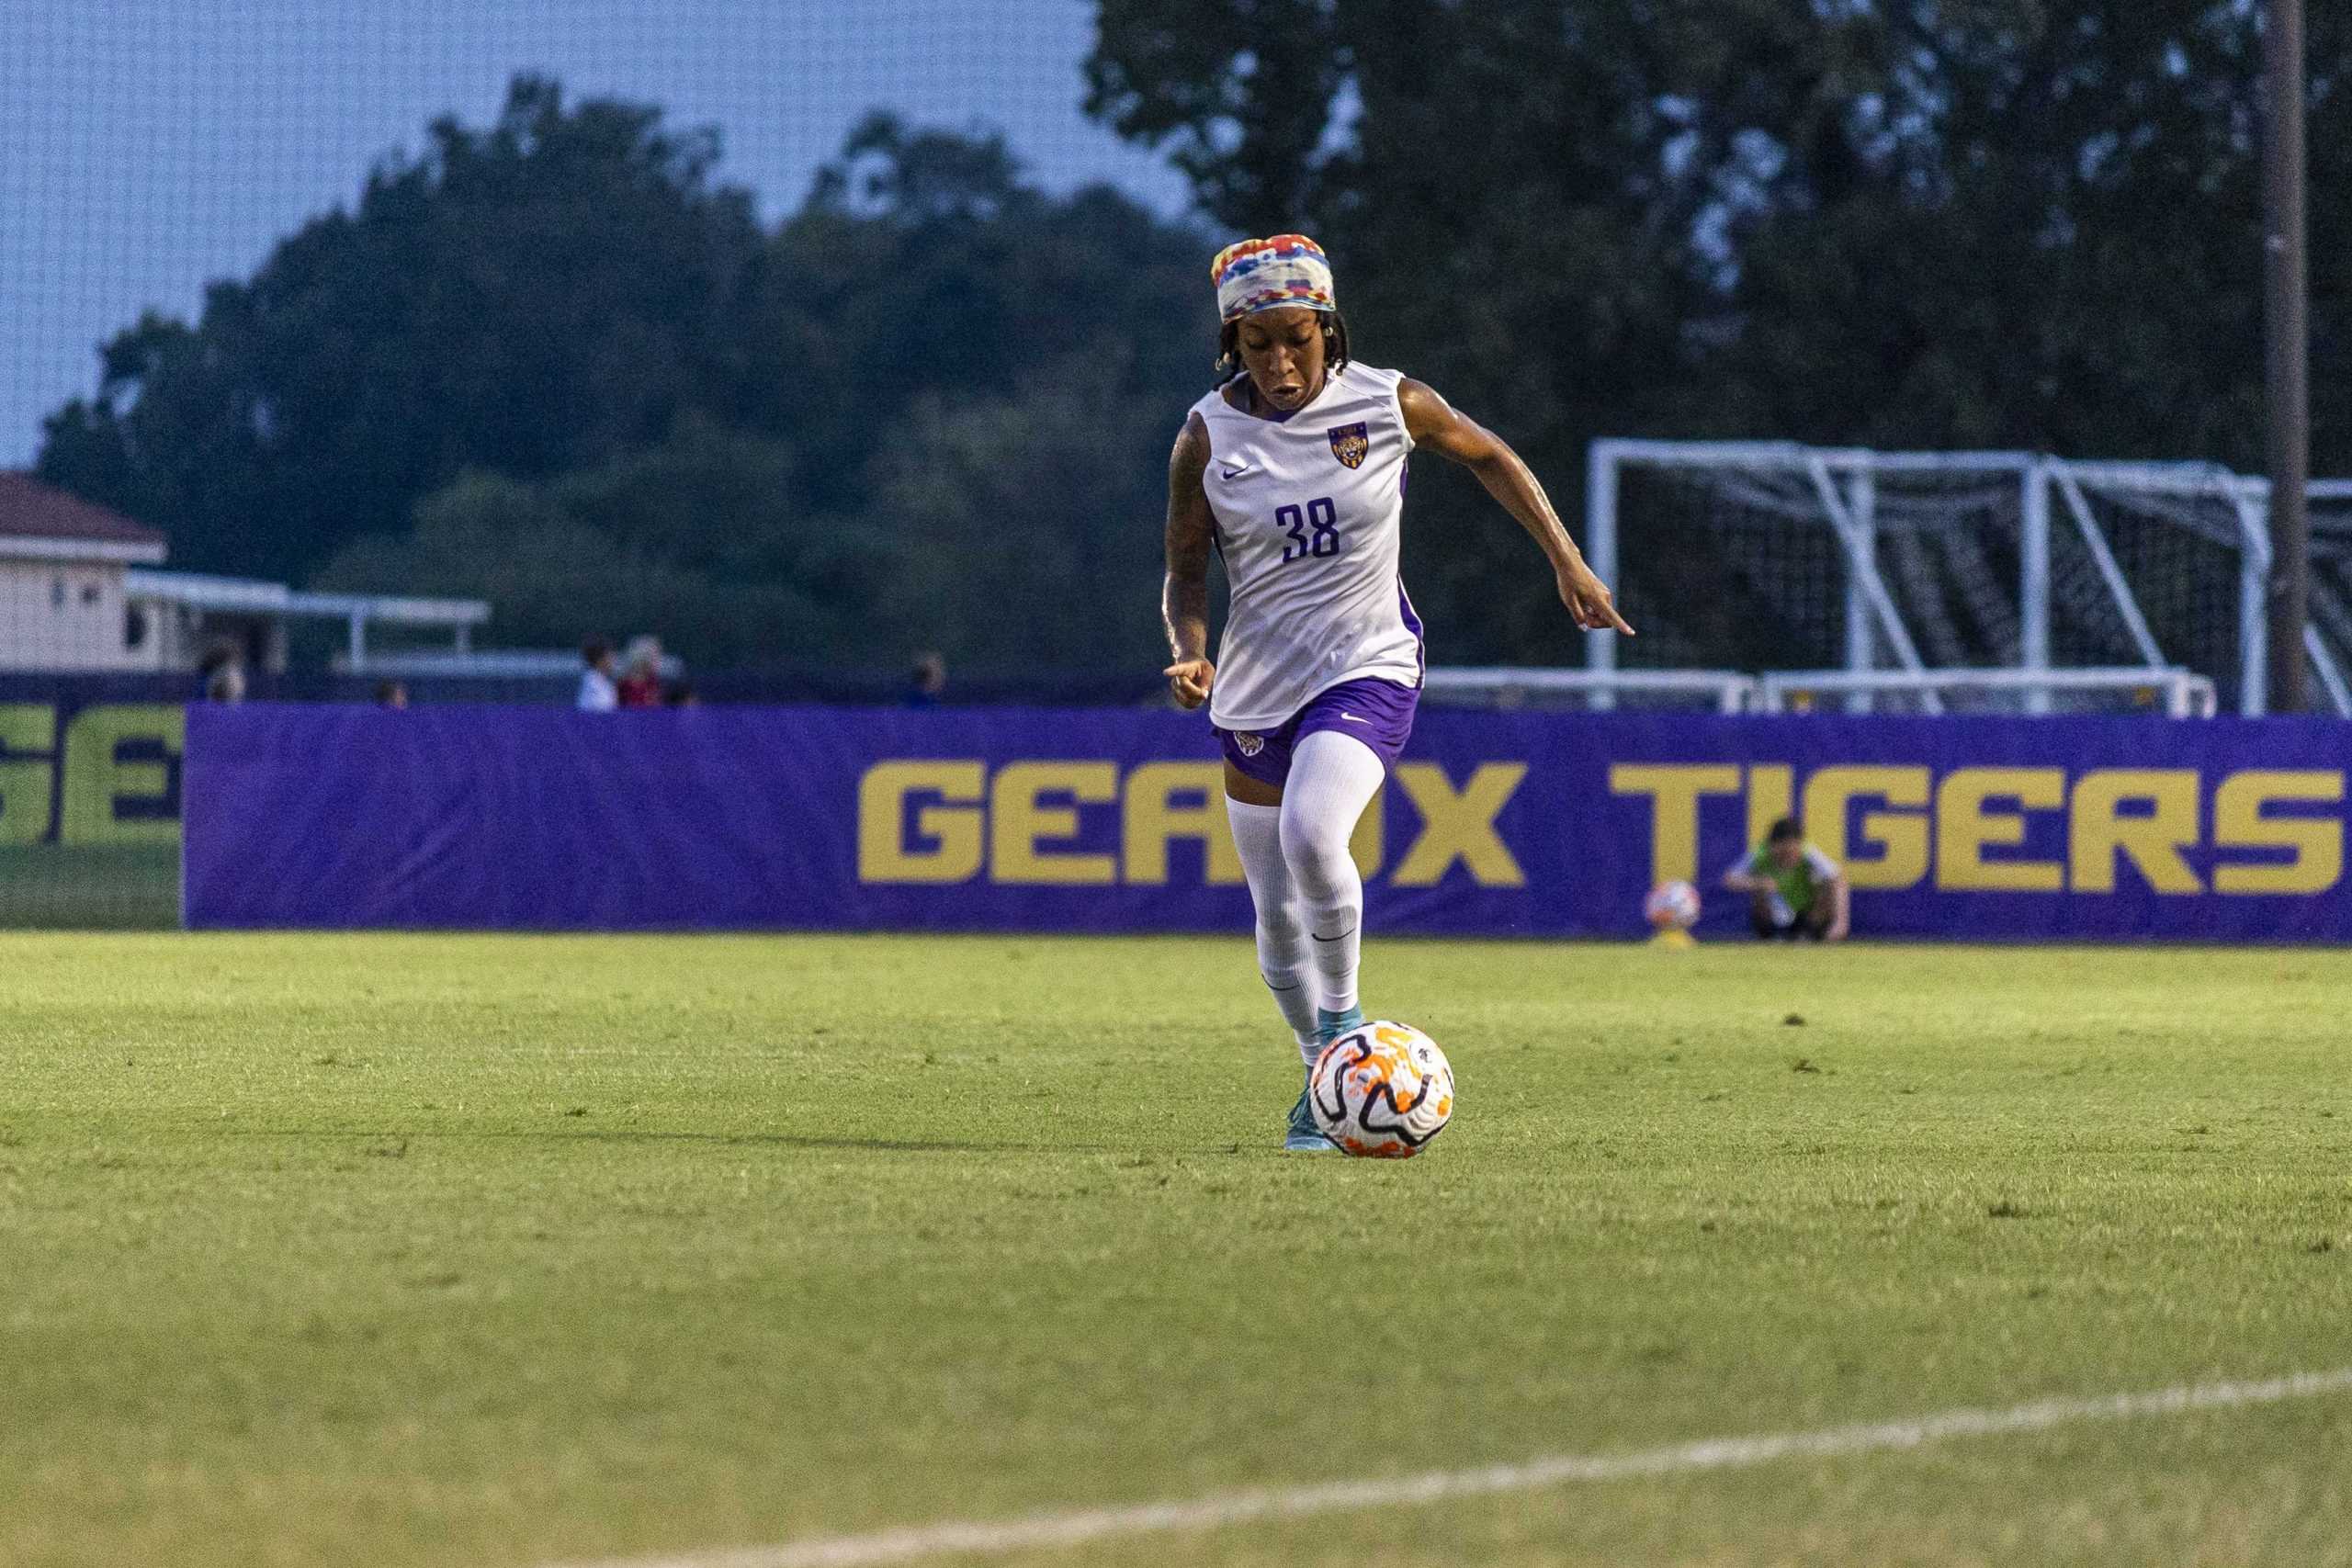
(1672, 906)
(1381, 1090)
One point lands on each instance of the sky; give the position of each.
(148, 147)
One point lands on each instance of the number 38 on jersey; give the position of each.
(1313, 530)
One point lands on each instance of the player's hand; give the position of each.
(1590, 600)
(1190, 680)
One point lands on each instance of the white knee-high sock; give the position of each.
(1282, 929)
(1332, 778)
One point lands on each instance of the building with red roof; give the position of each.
(63, 560)
(79, 593)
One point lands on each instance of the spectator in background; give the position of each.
(927, 681)
(1793, 890)
(390, 694)
(640, 682)
(681, 696)
(223, 671)
(597, 692)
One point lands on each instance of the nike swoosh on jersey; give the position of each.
(1236, 473)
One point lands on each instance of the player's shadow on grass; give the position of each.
(778, 1140)
(915, 1145)
(906, 1145)
(809, 1141)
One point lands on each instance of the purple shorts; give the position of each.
(1378, 713)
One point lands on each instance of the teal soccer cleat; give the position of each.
(1302, 1136)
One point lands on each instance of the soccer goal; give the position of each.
(1513, 686)
(1942, 582)
(2328, 637)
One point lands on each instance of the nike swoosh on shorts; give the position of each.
(1353, 719)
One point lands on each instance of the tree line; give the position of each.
(556, 362)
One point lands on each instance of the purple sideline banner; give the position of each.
(1023, 820)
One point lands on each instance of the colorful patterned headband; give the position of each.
(1260, 275)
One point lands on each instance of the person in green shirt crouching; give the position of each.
(1793, 890)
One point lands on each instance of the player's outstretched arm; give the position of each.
(1433, 422)
(1184, 594)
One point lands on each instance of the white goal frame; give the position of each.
(2051, 492)
(2184, 693)
(1515, 685)
(2332, 502)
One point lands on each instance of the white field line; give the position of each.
(1076, 1526)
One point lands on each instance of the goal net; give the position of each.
(2149, 565)
(2329, 638)
(1913, 566)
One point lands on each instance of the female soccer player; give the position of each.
(1294, 472)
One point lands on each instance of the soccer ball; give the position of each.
(1672, 906)
(1382, 1089)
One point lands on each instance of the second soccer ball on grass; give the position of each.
(1672, 906)
(1382, 1089)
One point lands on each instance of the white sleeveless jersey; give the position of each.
(1308, 521)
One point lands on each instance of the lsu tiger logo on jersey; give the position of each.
(1350, 444)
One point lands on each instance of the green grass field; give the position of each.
(488, 1251)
